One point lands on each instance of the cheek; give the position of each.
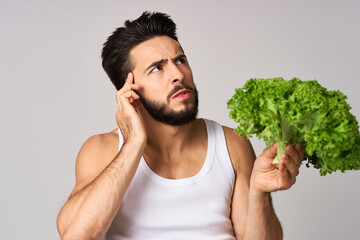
(154, 86)
(188, 73)
(154, 92)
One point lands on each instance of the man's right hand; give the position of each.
(103, 174)
(127, 118)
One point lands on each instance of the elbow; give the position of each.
(69, 231)
(71, 236)
(67, 235)
(60, 226)
(63, 226)
(64, 230)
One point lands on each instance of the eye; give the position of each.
(156, 69)
(181, 61)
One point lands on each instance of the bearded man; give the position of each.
(163, 173)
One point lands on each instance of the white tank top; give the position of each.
(196, 207)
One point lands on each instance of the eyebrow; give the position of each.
(157, 63)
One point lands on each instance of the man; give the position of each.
(164, 174)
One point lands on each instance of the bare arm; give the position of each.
(90, 210)
(101, 183)
(262, 222)
(252, 214)
(266, 178)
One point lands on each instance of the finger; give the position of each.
(291, 165)
(294, 154)
(125, 89)
(128, 87)
(284, 173)
(300, 150)
(130, 95)
(134, 98)
(270, 152)
(129, 78)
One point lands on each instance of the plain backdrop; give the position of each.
(54, 93)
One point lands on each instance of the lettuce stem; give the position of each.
(281, 148)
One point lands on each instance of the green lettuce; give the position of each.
(295, 111)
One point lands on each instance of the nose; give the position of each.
(176, 75)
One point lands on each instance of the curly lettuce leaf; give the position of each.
(295, 111)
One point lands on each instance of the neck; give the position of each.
(167, 142)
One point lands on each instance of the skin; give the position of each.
(103, 174)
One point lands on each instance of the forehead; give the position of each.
(155, 49)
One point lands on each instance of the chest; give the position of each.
(191, 208)
(184, 165)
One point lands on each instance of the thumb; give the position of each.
(270, 152)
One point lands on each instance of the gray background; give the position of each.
(54, 94)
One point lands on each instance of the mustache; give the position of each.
(177, 88)
(172, 92)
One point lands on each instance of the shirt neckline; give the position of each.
(189, 180)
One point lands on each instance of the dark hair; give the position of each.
(115, 54)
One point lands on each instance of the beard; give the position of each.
(159, 112)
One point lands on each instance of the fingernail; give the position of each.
(290, 149)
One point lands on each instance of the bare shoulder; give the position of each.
(94, 156)
(240, 150)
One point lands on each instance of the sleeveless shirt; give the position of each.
(196, 207)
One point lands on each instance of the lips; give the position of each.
(181, 92)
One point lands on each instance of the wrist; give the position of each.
(260, 197)
(256, 193)
(136, 144)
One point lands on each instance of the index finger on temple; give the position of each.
(129, 78)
